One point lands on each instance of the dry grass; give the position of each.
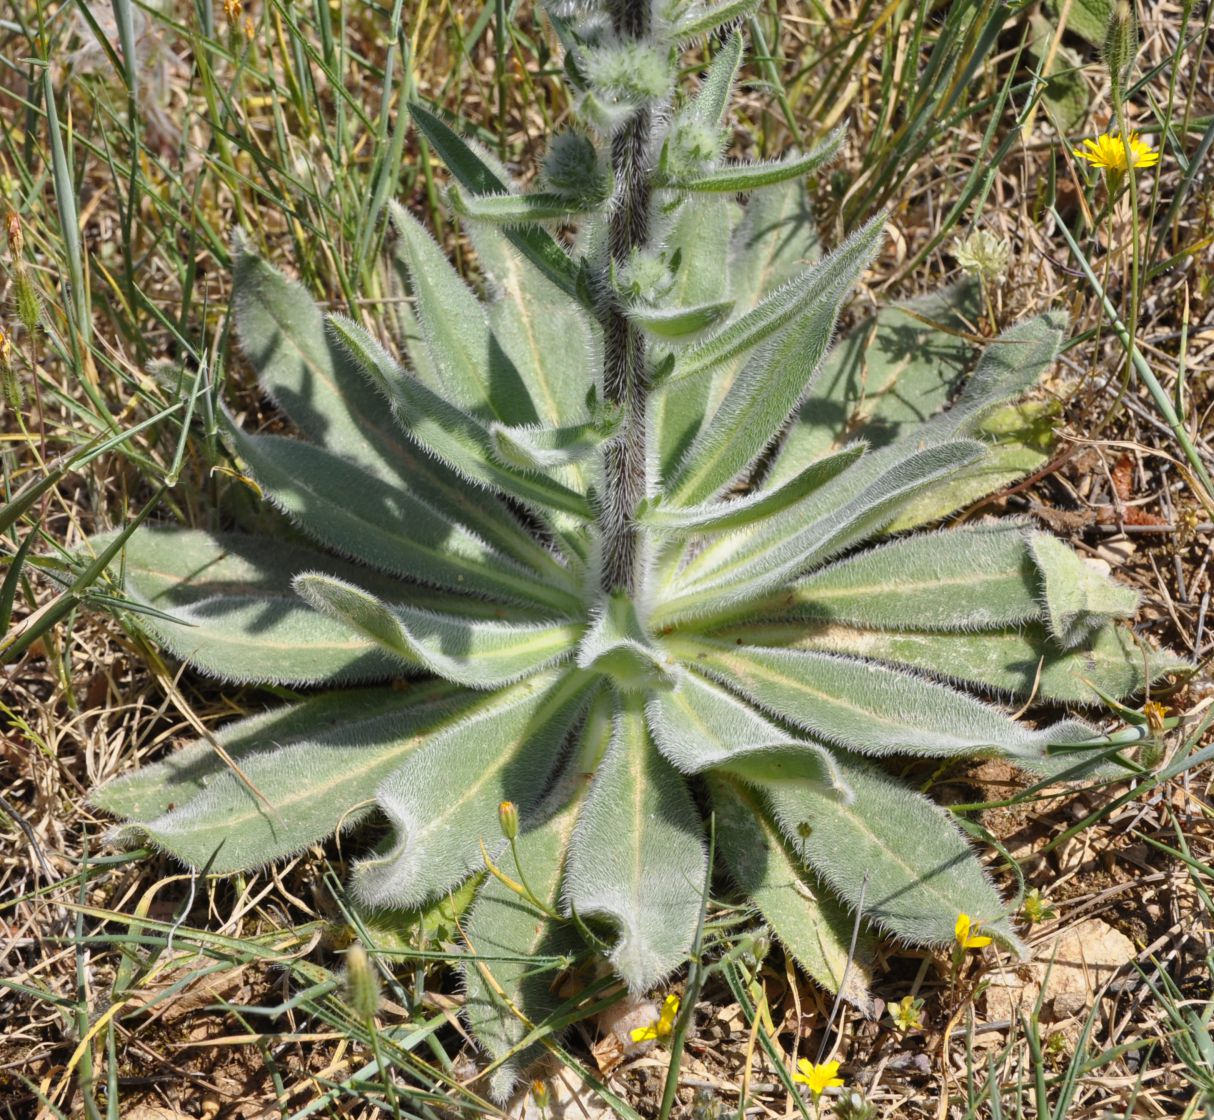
(128, 989)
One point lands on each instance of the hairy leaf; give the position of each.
(773, 380)
(537, 245)
(775, 241)
(714, 516)
(506, 987)
(785, 306)
(741, 177)
(1078, 597)
(887, 376)
(503, 750)
(548, 339)
(449, 433)
(476, 375)
(678, 322)
(1021, 662)
(802, 914)
(974, 577)
(546, 449)
(701, 20)
(514, 209)
(304, 771)
(324, 392)
(1019, 439)
(360, 517)
(875, 709)
(637, 857)
(892, 854)
(477, 654)
(698, 726)
(698, 234)
(713, 98)
(617, 645)
(808, 532)
(224, 603)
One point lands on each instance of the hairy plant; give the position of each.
(630, 543)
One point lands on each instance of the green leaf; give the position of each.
(807, 921)
(514, 209)
(886, 377)
(875, 709)
(776, 240)
(1087, 18)
(1011, 364)
(536, 450)
(357, 515)
(698, 726)
(548, 339)
(506, 987)
(1066, 93)
(637, 857)
(1078, 596)
(742, 177)
(678, 322)
(782, 308)
(451, 434)
(1006, 661)
(713, 98)
(1019, 438)
(701, 20)
(807, 533)
(715, 516)
(224, 604)
(306, 770)
(974, 577)
(617, 646)
(776, 376)
(893, 854)
(326, 395)
(476, 654)
(504, 750)
(698, 236)
(537, 245)
(476, 375)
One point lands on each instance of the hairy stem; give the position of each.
(625, 374)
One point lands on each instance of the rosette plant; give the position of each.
(625, 543)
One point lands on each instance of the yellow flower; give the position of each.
(1156, 713)
(907, 1013)
(819, 1078)
(1108, 151)
(662, 1026)
(967, 933)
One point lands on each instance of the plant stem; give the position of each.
(625, 372)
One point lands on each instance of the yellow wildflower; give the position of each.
(662, 1026)
(819, 1078)
(1156, 713)
(966, 932)
(907, 1013)
(1108, 151)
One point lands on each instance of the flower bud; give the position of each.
(645, 277)
(691, 144)
(507, 817)
(362, 982)
(9, 385)
(633, 73)
(1121, 47)
(571, 169)
(16, 239)
(29, 306)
